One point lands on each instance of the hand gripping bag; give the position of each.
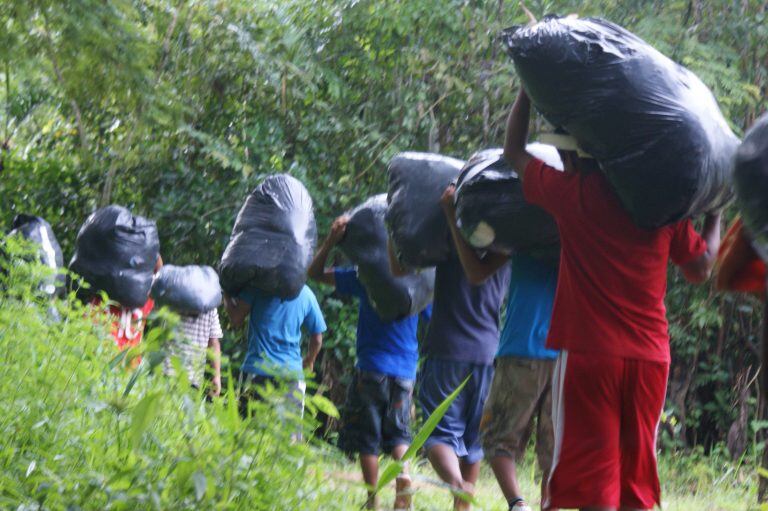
(37, 230)
(365, 244)
(492, 213)
(116, 252)
(653, 126)
(751, 179)
(414, 217)
(273, 240)
(187, 289)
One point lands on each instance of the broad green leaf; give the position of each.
(141, 417)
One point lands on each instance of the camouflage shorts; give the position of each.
(521, 394)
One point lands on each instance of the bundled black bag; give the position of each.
(365, 244)
(272, 241)
(653, 126)
(37, 230)
(751, 178)
(414, 218)
(116, 252)
(187, 289)
(491, 211)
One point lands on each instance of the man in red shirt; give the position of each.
(609, 321)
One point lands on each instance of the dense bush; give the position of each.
(178, 110)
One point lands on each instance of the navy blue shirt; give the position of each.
(531, 295)
(465, 318)
(386, 347)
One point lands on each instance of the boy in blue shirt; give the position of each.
(521, 391)
(378, 409)
(274, 340)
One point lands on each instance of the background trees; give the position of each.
(178, 108)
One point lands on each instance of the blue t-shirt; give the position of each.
(532, 288)
(274, 332)
(386, 347)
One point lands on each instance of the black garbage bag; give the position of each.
(492, 213)
(37, 230)
(751, 178)
(273, 240)
(414, 217)
(365, 244)
(187, 289)
(653, 126)
(116, 252)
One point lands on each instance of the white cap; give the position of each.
(562, 141)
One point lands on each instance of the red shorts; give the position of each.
(606, 413)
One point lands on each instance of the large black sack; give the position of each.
(37, 230)
(751, 178)
(187, 289)
(365, 244)
(273, 240)
(653, 126)
(116, 252)
(414, 217)
(491, 211)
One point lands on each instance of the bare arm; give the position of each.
(214, 349)
(315, 343)
(395, 267)
(699, 269)
(517, 134)
(317, 270)
(476, 269)
(237, 310)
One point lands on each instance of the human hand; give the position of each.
(216, 386)
(307, 364)
(448, 200)
(338, 228)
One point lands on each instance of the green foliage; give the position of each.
(178, 109)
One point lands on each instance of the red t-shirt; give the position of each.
(127, 324)
(613, 274)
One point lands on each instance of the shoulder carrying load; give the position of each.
(653, 126)
(187, 289)
(365, 244)
(751, 178)
(37, 230)
(272, 241)
(492, 213)
(414, 217)
(116, 252)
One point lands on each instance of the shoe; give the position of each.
(403, 493)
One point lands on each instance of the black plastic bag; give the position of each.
(653, 126)
(365, 244)
(37, 230)
(414, 217)
(751, 178)
(273, 240)
(116, 252)
(187, 289)
(492, 213)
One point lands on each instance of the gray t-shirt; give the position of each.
(465, 318)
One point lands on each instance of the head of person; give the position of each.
(573, 157)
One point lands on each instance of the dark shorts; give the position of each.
(251, 388)
(377, 414)
(460, 426)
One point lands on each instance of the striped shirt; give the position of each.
(192, 344)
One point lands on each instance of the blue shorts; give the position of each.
(460, 426)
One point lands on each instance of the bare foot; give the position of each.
(462, 498)
(403, 493)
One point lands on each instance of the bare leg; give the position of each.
(370, 465)
(470, 471)
(506, 474)
(403, 492)
(446, 464)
